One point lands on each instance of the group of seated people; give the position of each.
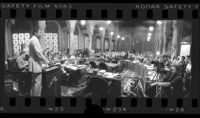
(51, 55)
(174, 74)
(18, 66)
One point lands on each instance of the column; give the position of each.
(68, 33)
(114, 44)
(156, 37)
(117, 45)
(161, 38)
(65, 40)
(72, 41)
(8, 40)
(90, 36)
(177, 37)
(165, 37)
(110, 44)
(130, 44)
(42, 27)
(167, 32)
(102, 40)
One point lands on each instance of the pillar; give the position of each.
(65, 41)
(91, 36)
(8, 40)
(42, 27)
(167, 33)
(115, 43)
(165, 37)
(161, 38)
(118, 45)
(177, 37)
(102, 40)
(156, 37)
(72, 40)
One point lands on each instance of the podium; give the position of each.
(51, 82)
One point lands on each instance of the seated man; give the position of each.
(175, 82)
(21, 61)
(22, 65)
(187, 77)
(134, 88)
(182, 65)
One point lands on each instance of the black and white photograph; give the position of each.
(98, 58)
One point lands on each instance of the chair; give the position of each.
(93, 64)
(22, 78)
(103, 66)
(12, 66)
(74, 77)
(99, 87)
(120, 68)
(8, 84)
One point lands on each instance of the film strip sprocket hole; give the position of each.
(88, 101)
(123, 13)
(119, 103)
(104, 13)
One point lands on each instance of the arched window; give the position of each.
(82, 31)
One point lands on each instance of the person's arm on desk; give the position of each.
(162, 84)
(21, 63)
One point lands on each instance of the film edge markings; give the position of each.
(189, 12)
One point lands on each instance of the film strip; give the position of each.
(102, 11)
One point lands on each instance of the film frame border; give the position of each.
(118, 12)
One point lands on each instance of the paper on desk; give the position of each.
(110, 75)
(45, 65)
(71, 67)
(102, 71)
(81, 66)
(135, 61)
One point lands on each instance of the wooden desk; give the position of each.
(51, 81)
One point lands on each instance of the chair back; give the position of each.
(12, 65)
(93, 64)
(99, 87)
(103, 66)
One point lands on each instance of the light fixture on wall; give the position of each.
(159, 22)
(151, 28)
(149, 34)
(111, 33)
(123, 38)
(118, 36)
(148, 38)
(157, 53)
(108, 22)
(101, 28)
(83, 22)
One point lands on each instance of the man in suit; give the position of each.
(36, 58)
(22, 67)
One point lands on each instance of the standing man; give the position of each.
(35, 59)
